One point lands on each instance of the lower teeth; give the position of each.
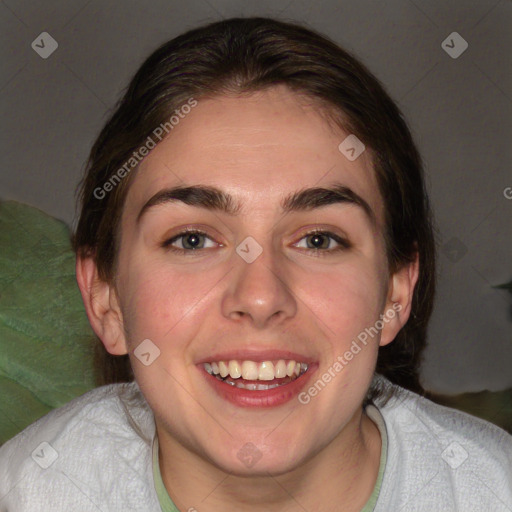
(250, 386)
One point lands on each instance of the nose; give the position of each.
(259, 292)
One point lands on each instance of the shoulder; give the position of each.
(445, 425)
(114, 410)
(79, 451)
(444, 456)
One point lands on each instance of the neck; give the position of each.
(341, 476)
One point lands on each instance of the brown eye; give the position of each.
(188, 241)
(324, 241)
(318, 241)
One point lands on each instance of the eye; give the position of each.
(188, 241)
(321, 241)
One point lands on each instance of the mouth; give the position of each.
(249, 383)
(256, 376)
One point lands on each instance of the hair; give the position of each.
(246, 55)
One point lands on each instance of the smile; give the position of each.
(265, 382)
(251, 375)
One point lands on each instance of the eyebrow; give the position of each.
(212, 198)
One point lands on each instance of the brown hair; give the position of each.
(243, 55)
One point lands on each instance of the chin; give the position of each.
(246, 459)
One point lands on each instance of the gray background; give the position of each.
(460, 112)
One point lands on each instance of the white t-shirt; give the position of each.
(95, 454)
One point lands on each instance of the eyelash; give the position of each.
(343, 243)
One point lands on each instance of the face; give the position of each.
(257, 290)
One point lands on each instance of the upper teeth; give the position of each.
(250, 370)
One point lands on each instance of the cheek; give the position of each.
(347, 300)
(158, 303)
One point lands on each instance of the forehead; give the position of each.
(258, 148)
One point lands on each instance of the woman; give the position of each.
(255, 254)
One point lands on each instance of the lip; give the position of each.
(258, 399)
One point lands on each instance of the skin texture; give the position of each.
(259, 148)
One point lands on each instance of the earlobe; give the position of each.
(101, 306)
(399, 301)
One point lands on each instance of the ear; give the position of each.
(399, 300)
(101, 305)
